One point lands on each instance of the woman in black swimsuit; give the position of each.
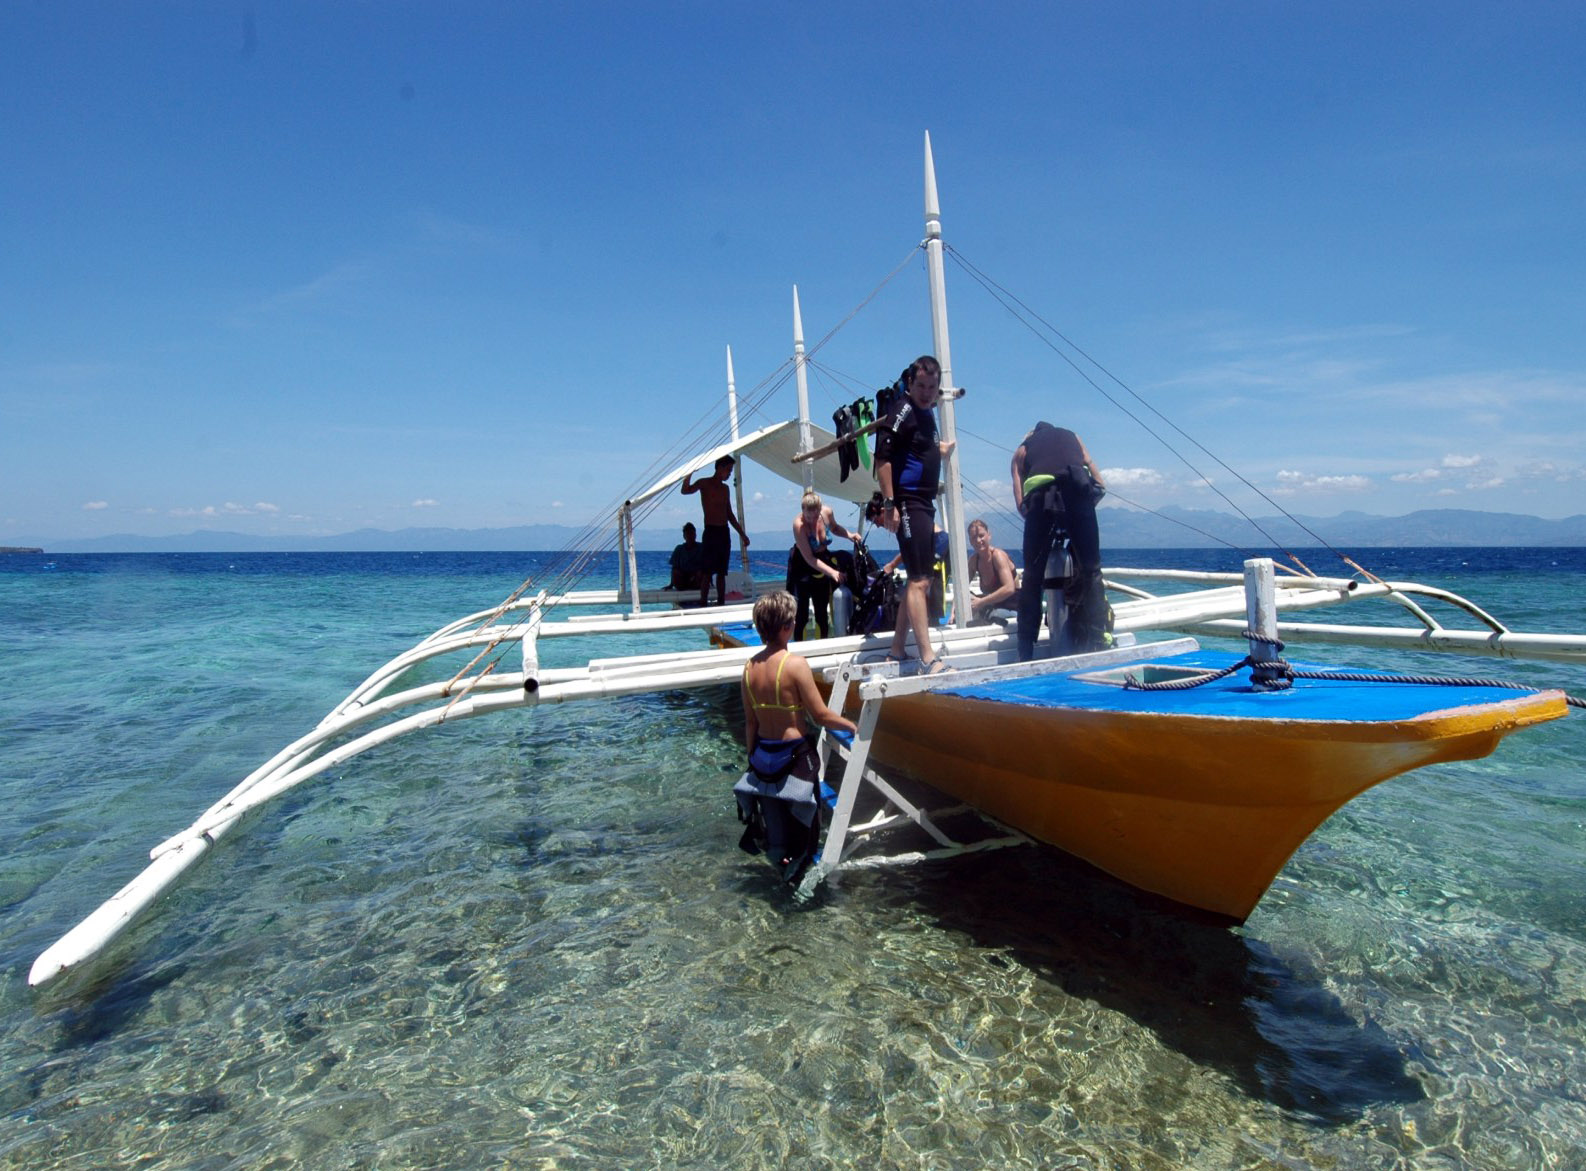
(812, 574)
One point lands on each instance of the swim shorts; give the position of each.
(917, 536)
(717, 542)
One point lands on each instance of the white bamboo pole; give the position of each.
(622, 548)
(956, 537)
(737, 468)
(633, 557)
(1514, 645)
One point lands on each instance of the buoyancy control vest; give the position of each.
(1051, 451)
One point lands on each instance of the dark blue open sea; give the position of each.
(529, 940)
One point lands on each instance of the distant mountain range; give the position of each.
(1121, 528)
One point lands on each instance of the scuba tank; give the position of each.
(842, 609)
(1059, 569)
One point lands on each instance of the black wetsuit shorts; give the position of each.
(917, 536)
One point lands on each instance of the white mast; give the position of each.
(958, 555)
(806, 440)
(737, 470)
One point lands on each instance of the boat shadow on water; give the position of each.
(1209, 991)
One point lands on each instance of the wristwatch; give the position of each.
(888, 502)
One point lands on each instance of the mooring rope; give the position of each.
(1281, 672)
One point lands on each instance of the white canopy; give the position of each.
(773, 448)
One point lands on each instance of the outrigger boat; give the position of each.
(1156, 761)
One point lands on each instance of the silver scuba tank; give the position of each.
(842, 609)
(1059, 569)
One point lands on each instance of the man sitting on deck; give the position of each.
(688, 561)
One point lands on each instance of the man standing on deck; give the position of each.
(1055, 488)
(716, 540)
(909, 466)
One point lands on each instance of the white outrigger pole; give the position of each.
(737, 470)
(373, 713)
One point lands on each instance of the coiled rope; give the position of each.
(1279, 672)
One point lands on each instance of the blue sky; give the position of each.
(308, 268)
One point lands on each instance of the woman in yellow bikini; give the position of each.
(779, 797)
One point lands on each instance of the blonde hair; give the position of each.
(773, 612)
(811, 500)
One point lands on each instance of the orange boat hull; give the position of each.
(1203, 810)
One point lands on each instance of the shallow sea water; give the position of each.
(531, 941)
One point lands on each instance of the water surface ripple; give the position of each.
(530, 940)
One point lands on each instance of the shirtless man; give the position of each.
(994, 568)
(716, 540)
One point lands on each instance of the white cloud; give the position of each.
(1132, 477)
(1293, 483)
(1546, 469)
(95, 505)
(426, 502)
(230, 508)
(1478, 473)
(316, 291)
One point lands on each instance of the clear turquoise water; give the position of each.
(529, 940)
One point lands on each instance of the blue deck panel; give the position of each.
(1307, 699)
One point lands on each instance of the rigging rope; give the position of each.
(1003, 297)
(1284, 670)
(571, 563)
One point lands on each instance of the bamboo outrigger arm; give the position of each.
(1496, 640)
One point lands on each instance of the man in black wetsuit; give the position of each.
(1055, 488)
(909, 468)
